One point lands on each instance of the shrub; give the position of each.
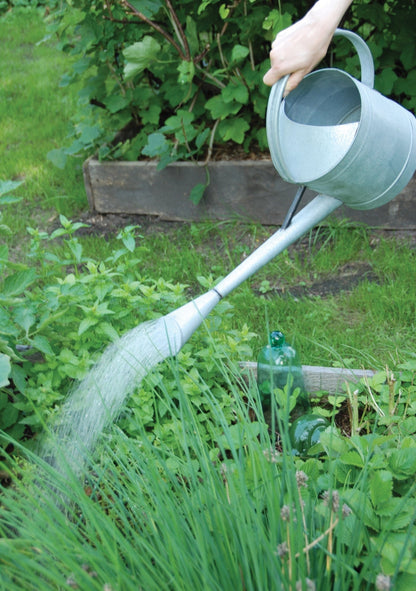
(172, 80)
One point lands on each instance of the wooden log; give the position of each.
(328, 379)
(245, 189)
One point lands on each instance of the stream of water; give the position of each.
(99, 397)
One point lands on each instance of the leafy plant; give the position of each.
(57, 318)
(233, 510)
(171, 80)
(6, 187)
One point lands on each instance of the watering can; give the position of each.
(336, 136)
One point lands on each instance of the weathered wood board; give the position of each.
(248, 190)
(329, 379)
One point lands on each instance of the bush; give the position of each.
(172, 81)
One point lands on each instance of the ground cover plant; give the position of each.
(191, 484)
(236, 510)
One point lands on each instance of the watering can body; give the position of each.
(340, 137)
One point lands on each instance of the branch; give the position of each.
(156, 27)
(179, 30)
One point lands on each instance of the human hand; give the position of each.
(300, 47)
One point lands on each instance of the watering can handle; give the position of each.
(278, 89)
(364, 55)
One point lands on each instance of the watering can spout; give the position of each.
(182, 323)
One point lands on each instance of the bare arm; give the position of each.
(298, 49)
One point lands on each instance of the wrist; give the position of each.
(327, 14)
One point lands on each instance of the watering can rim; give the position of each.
(277, 91)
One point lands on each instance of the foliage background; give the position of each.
(174, 81)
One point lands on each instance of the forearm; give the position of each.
(328, 13)
(298, 49)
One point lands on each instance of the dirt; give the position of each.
(343, 280)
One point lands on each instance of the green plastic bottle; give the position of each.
(277, 364)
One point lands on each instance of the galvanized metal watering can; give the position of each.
(338, 136)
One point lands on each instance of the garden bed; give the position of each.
(329, 379)
(244, 189)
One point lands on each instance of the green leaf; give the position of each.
(9, 199)
(385, 81)
(24, 316)
(186, 71)
(403, 463)
(147, 7)
(233, 129)
(5, 369)
(156, 145)
(4, 253)
(17, 283)
(352, 458)
(192, 34)
(224, 11)
(116, 102)
(276, 22)
(89, 133)
(41, 343)
(235, 92)
(197, 193)
(9, 416)
(220, 109)
(58, 157)
(381, 487)
(86, 324)
(19, 376)
(140, 55)
(239, 53)
(8, 186)
(108, 330)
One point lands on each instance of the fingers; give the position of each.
(293, 81)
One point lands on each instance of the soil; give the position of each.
(344, 280)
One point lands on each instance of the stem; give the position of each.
(211, 143)
(223, 61)
(391, 381)
(330, 543)
(353, 410)
(308, 563)
(316, 541)
(156, 27)
(290, 554)
(216, 81)
(179, 30)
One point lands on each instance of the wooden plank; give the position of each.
(247, 189)
(329, 379)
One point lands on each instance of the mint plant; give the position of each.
(57, 318)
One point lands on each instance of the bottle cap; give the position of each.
(277, 338)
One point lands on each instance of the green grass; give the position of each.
(238, 512)
(35, 114)
(370, 324)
